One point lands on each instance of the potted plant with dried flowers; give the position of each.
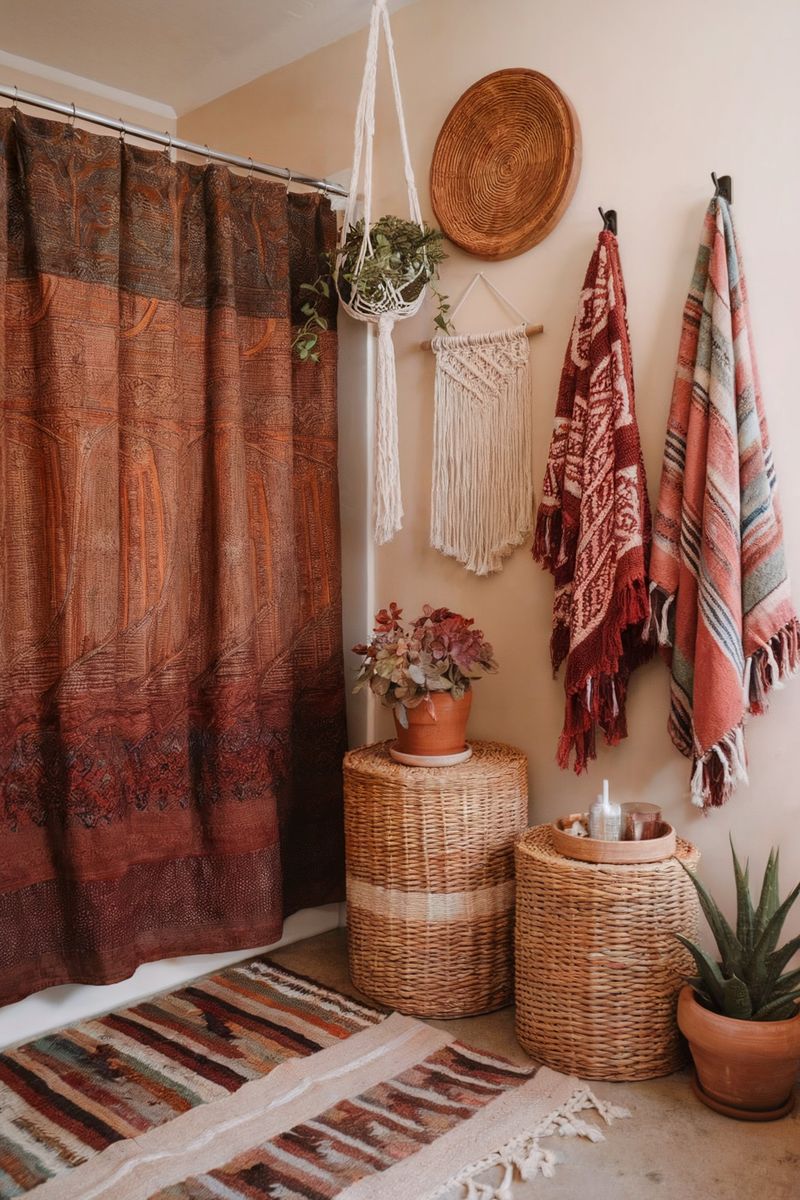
(424, 671)
(740, 1014)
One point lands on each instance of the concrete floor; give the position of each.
(671, 1147)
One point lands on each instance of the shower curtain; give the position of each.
(171, 676)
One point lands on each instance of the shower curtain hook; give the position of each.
(121, 131)
(14, 108)
(250, 172)
(72, 118)
(289, 176)
(208, 154)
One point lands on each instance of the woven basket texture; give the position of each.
(430, 878)
(506, 163)
(598, 969)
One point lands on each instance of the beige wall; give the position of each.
(665, 93)
(70, 93)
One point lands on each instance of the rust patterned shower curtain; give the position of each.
(171, 678)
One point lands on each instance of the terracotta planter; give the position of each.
(444, 733)
(745, 1069)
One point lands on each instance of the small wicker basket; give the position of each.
(430, 878)
(598, 969)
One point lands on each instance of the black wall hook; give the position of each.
(609, 219)
(723, 186)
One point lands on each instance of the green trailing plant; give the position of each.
(749, 982)
(405, 256)
(306, 340)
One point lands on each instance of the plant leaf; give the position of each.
(401, 714)
(745, 916)
(787, 982)
(769, 976)
(769, 899)
(710, 974)
(736, 999)
(772, 930)
(780, 1009)
(728, 944)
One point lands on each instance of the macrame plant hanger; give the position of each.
(482, 492)
(391, 304)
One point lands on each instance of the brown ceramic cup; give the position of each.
(641, 822)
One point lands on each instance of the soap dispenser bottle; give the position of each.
(605, 818)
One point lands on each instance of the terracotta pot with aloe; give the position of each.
(740, 1013)
(424, 670)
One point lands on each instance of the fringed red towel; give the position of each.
(593, 525)
(721, 603)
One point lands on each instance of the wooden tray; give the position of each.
(593, 851)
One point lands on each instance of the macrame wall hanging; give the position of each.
(482, 493)
(389, 303)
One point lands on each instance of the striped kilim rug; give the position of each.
(256, 1083)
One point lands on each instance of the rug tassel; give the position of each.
(524, 1158)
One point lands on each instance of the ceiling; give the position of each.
(181, 53)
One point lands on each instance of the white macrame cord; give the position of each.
(390, 305)
(482, 491)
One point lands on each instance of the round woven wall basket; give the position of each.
(506, 164)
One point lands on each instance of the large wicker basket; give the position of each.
(598, 969)
(430, 878)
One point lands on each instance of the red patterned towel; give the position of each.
(593, 526)
(721, 602)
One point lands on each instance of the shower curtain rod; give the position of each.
(166, 139)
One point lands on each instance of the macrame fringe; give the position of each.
(388, 498)
(598, 700)
(523, 1158)
(482, 492)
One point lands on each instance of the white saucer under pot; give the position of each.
(430, 760)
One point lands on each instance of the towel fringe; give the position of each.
(523, 1158)
(599, 698)
(547, 536)
(657, 630)
(716, 772)
(770, 665)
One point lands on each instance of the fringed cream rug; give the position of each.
(397, 1111)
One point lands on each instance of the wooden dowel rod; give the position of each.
(530, 331)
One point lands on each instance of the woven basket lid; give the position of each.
(506, 163)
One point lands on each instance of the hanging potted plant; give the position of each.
(424, 672)
(401, 260)
(740, 1014)
(383, 268)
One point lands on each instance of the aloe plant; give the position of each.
(748, 982)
